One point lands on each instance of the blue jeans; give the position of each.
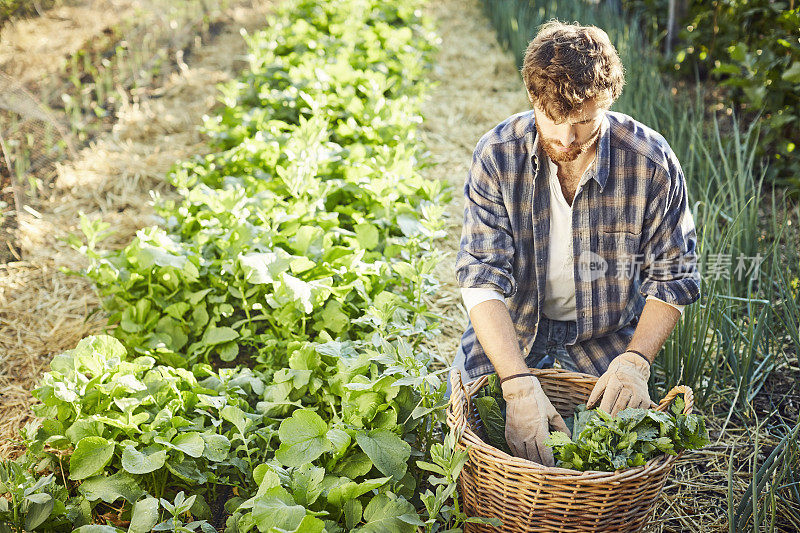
(548, 346)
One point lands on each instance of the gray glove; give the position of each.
(529, 415)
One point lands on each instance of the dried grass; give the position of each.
(478, 87)
(28, 46)
(112, 178)
(42, 312)
(695, 497)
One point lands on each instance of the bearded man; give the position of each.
(578, 245)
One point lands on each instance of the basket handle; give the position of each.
(457, 383)
(688, 397)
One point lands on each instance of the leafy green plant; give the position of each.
(347, 465)
(129, 427)
(631, 438)
(492, 410)
(34, 503)
(180, 507)
(443, 504)
(750, 49)
(304, 247)
(311, 213)
(760, 67)
(346, 416)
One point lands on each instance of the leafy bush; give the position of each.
(753, 49)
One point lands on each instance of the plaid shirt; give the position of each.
(633, 235)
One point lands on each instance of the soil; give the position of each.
(778, 402)
(7, 226)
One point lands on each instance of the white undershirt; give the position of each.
(559, 289)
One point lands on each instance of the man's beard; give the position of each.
(557, 156)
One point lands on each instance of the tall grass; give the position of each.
(774, 490)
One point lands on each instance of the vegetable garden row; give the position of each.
(267, 368)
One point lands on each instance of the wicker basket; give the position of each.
(528, 496)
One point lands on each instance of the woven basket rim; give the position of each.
(520, 465)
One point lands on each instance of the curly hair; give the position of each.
(567, 64)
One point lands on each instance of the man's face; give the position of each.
(577, 134)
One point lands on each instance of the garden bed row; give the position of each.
(266, 358)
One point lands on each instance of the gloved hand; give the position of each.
(529, 415)
(623, 384)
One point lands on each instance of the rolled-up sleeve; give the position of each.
(486, 253)
(669, 250)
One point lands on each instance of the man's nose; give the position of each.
(567, 139)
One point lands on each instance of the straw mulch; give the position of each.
(695, 497)
(478, 87)
(44, 311)
(32, 48)
(113, 178)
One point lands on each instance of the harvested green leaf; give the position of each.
(600, 442)
(632, 438)
(494, 424)
(492, 410)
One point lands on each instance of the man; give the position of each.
(578, 243)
